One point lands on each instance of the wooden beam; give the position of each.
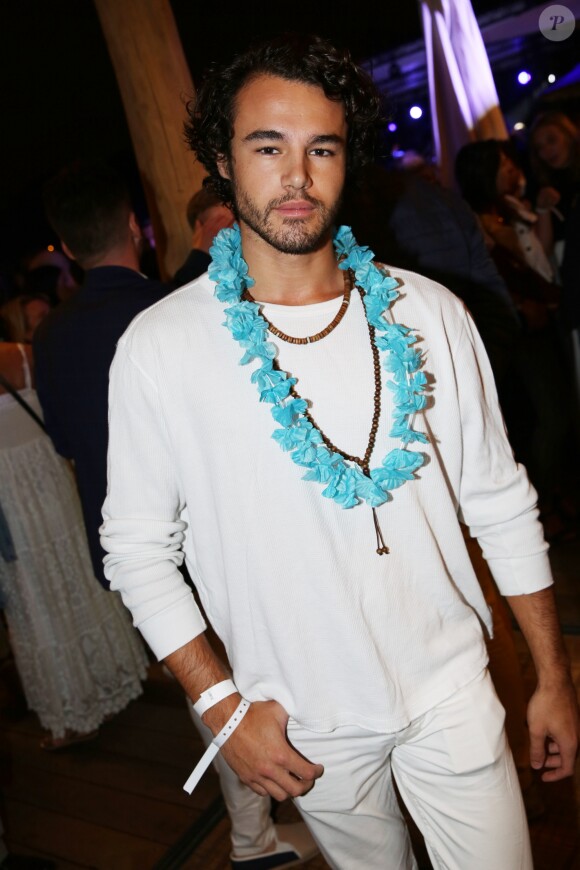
(155, 83)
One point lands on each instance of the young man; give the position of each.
(355, 633)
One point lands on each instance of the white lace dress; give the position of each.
(78, 655)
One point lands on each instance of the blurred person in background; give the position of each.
(52, 273)
(206, 215)
(554, 143)
(23, 315)
(486, 175)
(78, 657)
(89, 207)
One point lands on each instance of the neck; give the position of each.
(123, 255)
(291, 279)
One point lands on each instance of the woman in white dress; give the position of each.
(79, 659)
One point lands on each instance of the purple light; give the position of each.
(416, 112)
(392, 127)
(524, 77)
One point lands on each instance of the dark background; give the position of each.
(59, 98)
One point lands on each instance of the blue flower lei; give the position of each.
(345, 483)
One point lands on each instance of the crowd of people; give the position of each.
(506, 242)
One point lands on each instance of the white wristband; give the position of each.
(213, 696)
(231, 724)
(214, 747)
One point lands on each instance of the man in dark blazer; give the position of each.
(90, 209)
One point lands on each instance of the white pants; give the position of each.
(455, 774)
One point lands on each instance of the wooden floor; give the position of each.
(117, 803)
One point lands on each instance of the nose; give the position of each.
(295, 174)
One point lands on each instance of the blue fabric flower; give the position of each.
(342, 487)
(244, 321)
(324, 465)
(398, 467)
(287, 414)
(367, 490)
(277, 391)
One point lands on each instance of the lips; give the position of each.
(298, 209)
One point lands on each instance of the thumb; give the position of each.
(537, 750)
(303, 768)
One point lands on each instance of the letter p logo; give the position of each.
(557, 23)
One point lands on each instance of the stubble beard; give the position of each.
(294, 236)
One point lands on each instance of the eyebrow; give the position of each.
(276, 135)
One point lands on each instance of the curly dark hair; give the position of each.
(296, 57)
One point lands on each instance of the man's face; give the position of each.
(287, 165)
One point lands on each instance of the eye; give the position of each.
(322, 152)
(268, 149)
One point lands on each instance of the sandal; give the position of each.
(54, 744)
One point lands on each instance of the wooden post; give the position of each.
(155, 84)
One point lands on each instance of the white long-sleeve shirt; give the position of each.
(310, 615)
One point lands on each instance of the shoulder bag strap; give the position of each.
(8, 386)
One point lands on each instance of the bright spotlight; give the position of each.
(551, 78)
(392, 127)
(524, 77)
(416, 112)
(519, 126)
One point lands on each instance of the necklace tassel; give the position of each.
(382, 549)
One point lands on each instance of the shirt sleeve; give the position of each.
(496, 500)
(142, 530)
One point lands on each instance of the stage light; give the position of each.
(416, 112)
(392, 127)
(524, 77)
(50, 248)
(519, 126)
(398, 153)
(551, 78)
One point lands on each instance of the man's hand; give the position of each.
(553, 709)
(259, 751)
(553, 721)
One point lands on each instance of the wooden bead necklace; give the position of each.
(363, 463)
(309, 339)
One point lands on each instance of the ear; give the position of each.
(223, 167)
(134, 227)
(197, 234)
(67, 250)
